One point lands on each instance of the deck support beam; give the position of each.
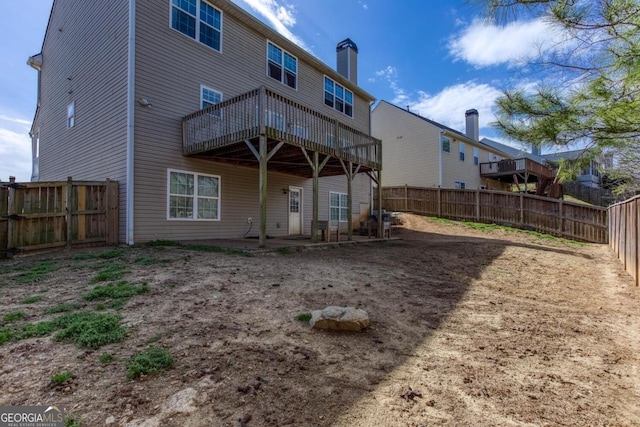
(316, 167)
(377, 178)
(350, 172)
(263, 191)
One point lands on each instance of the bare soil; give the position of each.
(468, 328)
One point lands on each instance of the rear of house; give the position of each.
(134, 115)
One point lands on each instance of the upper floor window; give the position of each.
(209, 97)
(198, 20)
(282, 66)
(71, 115)
(461, 145)
(446, 144)
(476, 156)
(336, 96)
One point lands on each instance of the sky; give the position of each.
(439, 58)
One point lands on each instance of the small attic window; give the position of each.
(71, 115)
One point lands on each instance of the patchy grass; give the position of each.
(63, 308)
(147, 260)
(37, 272)
(119, 290)
(304, 317)
(91, 330)
(111, 273)
(12, 317)
(106, 358)
(441, 220)
(493, 227)
(149, 362)
(72, 422)
(61, 377)
(32, 299)
(285, 251)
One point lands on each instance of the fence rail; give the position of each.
(60, 214)
(624, 228)
(551, 216)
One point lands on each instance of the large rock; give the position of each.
(339, 318)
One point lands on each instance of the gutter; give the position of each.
(130, 119)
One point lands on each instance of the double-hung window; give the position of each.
(336, 96)
(338, 209)
(461, 145)
(476, 156)
(282, 66)
(446, 144)
(193, 196)
(209, 97)
(199, 20)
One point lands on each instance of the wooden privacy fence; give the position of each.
(556, 217)
(62, 214)
(624, 228)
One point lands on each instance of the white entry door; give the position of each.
(295, 211)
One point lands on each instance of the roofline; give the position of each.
(257, 25)
(446, 130)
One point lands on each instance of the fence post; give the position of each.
(521, 209)
(406, 203)
(439, 203)
(11, 211)
(561, 218)
(477, 205)
(69, 216)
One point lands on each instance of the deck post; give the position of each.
(263, 191)
(316, 192)
(349, 202)
(380, 219)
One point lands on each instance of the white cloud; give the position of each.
(482, 44)
(363, 4)
(280, 16)
(15, 154)
(447, 106)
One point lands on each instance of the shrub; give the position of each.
(149, 362)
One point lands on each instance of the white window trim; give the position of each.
(282, 78)
(462, 155)
(461, 185)
(476, 156)
(195, 197)
(71, 114)
(353, 98)
(442, 137)
(197, 40)
(340, 207)
(202, 88)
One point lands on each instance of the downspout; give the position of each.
(130, 119)
(440, 160)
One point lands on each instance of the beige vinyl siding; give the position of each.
(170, 67)
(409, 147)
(239, 200)
(453, 169)
(85, 61)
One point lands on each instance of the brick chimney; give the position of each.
(473, 127)
(347, 53)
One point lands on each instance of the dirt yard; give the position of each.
(468, 328)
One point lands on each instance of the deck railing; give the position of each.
(514, 166)
(242, 117)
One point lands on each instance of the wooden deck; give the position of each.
(505, 169)
(225, 131)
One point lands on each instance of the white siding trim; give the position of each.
(131, 78)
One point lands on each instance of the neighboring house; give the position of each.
(423, 153)
(589, 175)
(209, 120)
